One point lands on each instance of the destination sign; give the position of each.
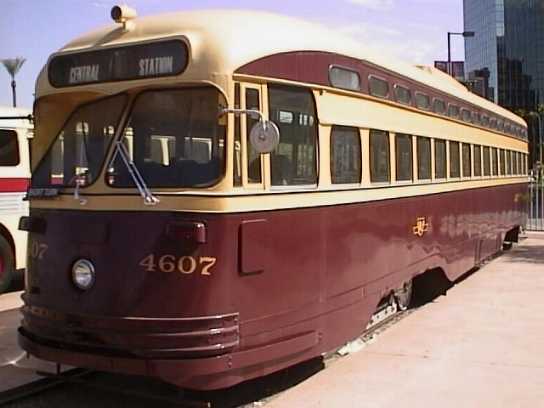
(158, 59)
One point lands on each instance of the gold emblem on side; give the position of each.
(421, 227)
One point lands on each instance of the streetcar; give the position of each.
(218, 195)
(15, 133)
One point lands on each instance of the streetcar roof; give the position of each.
(222, 41)
(8, 111)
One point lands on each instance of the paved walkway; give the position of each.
(481, 346)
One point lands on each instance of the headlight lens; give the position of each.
(83, 274)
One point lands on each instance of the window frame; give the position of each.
(480, 172)
(371, 158)
(409, 91)
(317, 163)
(397, 158)
(331, 155)
(429, 106)
(463, 166)
(346, 69)
(450, 151)
(444, 104)
(17, 152)
(430, 167)
(383, 80)
(445, 167)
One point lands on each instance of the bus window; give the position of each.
(477, 161)
(345, 155)
(379, 157)
(177, 139)
(403, 153)
(503, 162)
(253, 157)
(294, 161)
(423, 158)
(79, 150)
(495, 161)
(9, 148)
(440, 159)
(455, 170)
(467, 165)
(487, 162)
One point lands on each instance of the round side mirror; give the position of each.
(264, 136)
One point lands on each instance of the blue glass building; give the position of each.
(509, 42)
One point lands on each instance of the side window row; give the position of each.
(451, 159)
(350, 79)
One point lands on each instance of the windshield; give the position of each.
(78, 151)
(175, 139)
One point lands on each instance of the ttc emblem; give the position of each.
(421, 226)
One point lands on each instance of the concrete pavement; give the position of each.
(15, 368)
(482, 345)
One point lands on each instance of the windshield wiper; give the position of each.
(121, 150)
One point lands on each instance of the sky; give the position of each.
(412, 30)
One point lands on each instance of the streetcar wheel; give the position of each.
(403, 296)
(6, 265)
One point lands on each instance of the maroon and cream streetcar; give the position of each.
(218, 195)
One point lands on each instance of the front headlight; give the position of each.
(83, 274)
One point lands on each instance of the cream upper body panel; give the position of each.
(222, 41)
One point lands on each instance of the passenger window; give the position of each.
(520, 157)
(379, 156)
(439, 106)
(453, 111)
(508, 162)
(423, 158)
(403, 150)
(378, 87)
(477, 161)
(467, 165)
(495, 161)
(344, 78)
(345, 155)
(294, 161)
(476, 118)
(440, 159)
(9, 148)
(514, 163)
(466, 115)
(403, 95)
(493, 123)
(503, 162)
(253, 157)
(500, 125)
(485, 121)
(487, 162)
(455, 170)
(423, 101)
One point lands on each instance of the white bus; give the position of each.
(15, 132)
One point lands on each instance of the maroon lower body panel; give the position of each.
(206, 301)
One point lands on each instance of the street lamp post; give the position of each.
(463, 34)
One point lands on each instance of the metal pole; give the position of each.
(531, 184)
(14, 94)
(449, 53)
(541, 219)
